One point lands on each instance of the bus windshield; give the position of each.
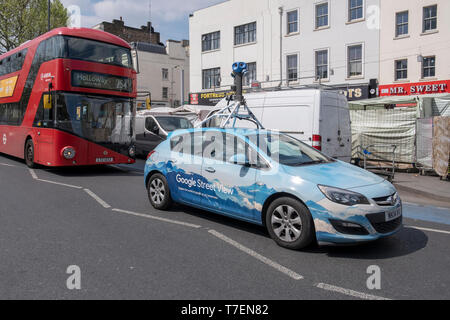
(101, 119)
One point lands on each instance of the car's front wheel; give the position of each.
(289, 223)
(158, 192)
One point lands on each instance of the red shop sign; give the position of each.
(406, 89)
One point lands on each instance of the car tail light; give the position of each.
(150, 154)
(317, 142)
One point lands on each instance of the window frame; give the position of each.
(348, 47)
(397, 70)
(165, 74)
(249, 80)
(316, 66)
(317, 17)
(424, 20)
(165, 92)
(297, 57)
(214, 72)
(247, 33)
(296, 22)
(433, 67)
(399, 25)
(350, 9)
(211, 41)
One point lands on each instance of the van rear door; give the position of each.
(335, 126)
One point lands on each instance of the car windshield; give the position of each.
(170, 124)
(287, 150)
(101, 119)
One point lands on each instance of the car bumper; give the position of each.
(371, 219)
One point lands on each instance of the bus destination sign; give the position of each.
(101, 81)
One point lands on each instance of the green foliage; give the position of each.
(22, 20)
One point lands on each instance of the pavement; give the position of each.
(423, 189)
(99, 219)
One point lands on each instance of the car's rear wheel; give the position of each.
(289, 223)
(158, 192)
(29, 154)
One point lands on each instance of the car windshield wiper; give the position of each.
(310, 162)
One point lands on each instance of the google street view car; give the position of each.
(271, 179)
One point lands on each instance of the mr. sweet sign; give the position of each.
(406, 89)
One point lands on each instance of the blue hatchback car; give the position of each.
(271, 179)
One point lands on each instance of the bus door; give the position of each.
(44, 134)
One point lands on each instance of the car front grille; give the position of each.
(381, 226)
(386, 201)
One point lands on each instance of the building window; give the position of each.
(355, 61)
(245, 33)
(211, 41)
(402, 19)
(322, 15)
(430, 18)
(165, 93)
(165, 74)
(292, 21)
(322, 64)
(211, 78)
(250, 76)
(401, 69)
(429, 67)
(292, 67)
(355, 9)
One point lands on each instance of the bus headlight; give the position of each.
(68, 153)
(132, 152)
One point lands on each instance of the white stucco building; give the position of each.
(414, 47)
(295, 42)
(161, 70)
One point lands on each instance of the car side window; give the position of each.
(150, 124)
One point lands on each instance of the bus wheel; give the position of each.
(29, 154)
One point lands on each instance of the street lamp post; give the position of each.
(48, 15)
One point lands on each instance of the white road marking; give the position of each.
(257, 256)
(97, 198)
(424, 206)
(6, 165)
(428, 229)
(35, 177)
(349, 292)
(33, 174)
(158, 218)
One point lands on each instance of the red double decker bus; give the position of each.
(67, 99)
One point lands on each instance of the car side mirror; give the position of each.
(155, 130)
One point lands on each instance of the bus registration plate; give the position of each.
(104, 160)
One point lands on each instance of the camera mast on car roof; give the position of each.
(238, 109)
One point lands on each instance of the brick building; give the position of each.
(144, 34)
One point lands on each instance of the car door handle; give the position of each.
(210, 170)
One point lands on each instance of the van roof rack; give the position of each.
(232, 113)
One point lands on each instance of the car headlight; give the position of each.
(341, 196)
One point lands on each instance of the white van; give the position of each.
(320, 118)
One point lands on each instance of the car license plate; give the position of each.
(393, 214)
(104, 160)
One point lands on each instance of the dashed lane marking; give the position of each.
(35, 177)
(7, 165)
(97, 198)
(158, 218)
(257, 256)
(349, 292)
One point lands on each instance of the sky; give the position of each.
(169, 17)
